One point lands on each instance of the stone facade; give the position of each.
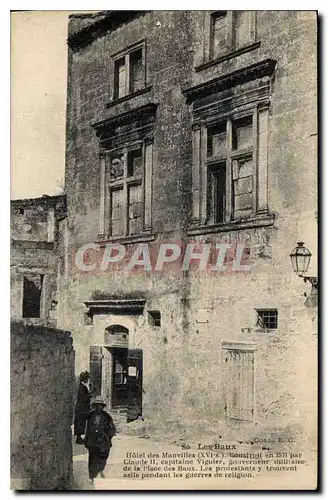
(42, 384)
(35, 259)
(160, 88)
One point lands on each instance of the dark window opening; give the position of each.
(267, 318)
(217, 193)
(154, 318)
(32, 289)
(136, 71)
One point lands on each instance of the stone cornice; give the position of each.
(143, 116)
(116, 306)
(238, 77)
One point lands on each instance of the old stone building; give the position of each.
(41, 356)
(35, 256)
(193, 126)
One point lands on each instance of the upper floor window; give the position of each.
(32, 292)
(125, 174)
(129, 71)
(243, 28)
(230, 147)
(219, 33)
(230, 31)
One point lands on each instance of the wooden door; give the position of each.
(134, 384)
(107, 362)
(240, 384)
(95, 370)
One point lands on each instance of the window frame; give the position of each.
(126, 53)
(228, 156)
(267, 310)
(231, 47)
(123, 183)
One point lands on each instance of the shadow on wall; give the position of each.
(42, 384)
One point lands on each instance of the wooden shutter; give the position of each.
(134, 384)
(95, 370)
(240, 384)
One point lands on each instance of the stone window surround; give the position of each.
(201, 165)
(107, 187)
(30, 273)
(257, 101)
(232, 51)
(141, 44)
(111, 141)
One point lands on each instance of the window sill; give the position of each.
(227, 57)
(265, 330)
(126, 240)
(128, 97)
(266, 220)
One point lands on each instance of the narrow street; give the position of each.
(114, 469)
(122, 444)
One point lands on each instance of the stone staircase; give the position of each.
(119, 415)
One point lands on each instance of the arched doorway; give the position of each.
(115, 375)
(116, 372)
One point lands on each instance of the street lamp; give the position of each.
(301, 258)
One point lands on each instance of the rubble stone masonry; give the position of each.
(42, 385)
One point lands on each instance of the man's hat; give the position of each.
(84, 376)
(98, 400)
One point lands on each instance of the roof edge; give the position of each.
(84, 28)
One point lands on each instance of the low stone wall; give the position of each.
(42, 385)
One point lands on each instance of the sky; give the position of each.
(38, 102)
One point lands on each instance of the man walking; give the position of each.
(98, 437)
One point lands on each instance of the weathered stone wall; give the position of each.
(42, 384)
(183, 370)
(34, 244)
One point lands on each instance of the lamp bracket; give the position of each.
(311, 279)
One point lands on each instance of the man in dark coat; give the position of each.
(98, 438)
(82, 407)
